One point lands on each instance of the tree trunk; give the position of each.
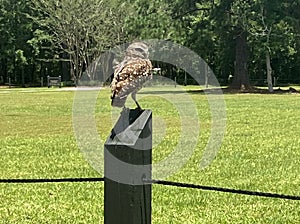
(22, 76)
(3, 71)
(206, 76)
(65, 67)
(241, 77)
(269, 72)
(72, 72)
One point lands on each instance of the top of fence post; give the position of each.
(127, 165)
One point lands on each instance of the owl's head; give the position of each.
(137, 50)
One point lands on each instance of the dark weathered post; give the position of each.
(48, 81)
(59, 81)
(127, 166)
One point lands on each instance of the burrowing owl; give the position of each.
(131, 74)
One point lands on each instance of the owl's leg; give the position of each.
(133, 95)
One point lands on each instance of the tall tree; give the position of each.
(238, 13)
(155, 19)
(81, 29)
(228, 19)
(272, 35)
(15, 31)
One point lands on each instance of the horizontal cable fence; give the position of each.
(54, 180)
(158, 182)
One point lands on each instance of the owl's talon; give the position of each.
(138, 108)
(125, 109)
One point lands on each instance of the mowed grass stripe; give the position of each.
(260, 152)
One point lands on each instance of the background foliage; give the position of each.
(40, 38)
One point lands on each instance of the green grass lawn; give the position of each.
(260, 152)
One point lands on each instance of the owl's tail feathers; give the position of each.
(117, 101)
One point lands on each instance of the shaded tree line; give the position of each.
(242, 41)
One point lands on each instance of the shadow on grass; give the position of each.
(158, 92)
(253, 90)
(224, 90)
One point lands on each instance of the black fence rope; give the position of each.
(227, 190)
(159, 182)
(54, 180)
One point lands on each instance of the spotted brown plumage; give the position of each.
(131, 74)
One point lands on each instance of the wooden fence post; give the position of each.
(127, 166)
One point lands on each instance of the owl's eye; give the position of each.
(140, 50)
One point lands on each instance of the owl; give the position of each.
(131, 74)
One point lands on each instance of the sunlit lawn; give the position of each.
(260, 152)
